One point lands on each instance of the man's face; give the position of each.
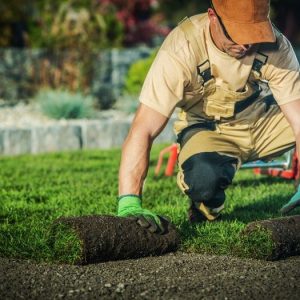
(229, 46)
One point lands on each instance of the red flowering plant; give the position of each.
(141, 20)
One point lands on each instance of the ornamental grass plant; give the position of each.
(36, 190)
(62, 104)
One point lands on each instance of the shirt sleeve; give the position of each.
(164, 85)
(283, 73)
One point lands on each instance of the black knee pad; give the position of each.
(207, 175)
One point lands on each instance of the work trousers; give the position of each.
(208, 159)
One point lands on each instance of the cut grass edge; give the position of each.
(66, 244)
(256, 243)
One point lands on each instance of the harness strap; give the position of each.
(259, 60)
(191, 33)
(203, 68)
(193, 37)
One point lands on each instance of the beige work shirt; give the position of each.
(172, 79)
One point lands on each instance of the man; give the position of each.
(235, 79)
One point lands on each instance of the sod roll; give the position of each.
(91, 239)
(282, 237)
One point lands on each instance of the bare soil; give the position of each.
(172, 276)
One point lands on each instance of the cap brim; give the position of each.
(252, 33)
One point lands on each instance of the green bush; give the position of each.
(137, 74)
(59, 104)
(105, 97)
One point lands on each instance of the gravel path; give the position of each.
(22, 116)
(173, 276)
(26, 116)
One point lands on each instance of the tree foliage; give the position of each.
(142, 19)
(91, 24)
(75, 24)
(111, 23)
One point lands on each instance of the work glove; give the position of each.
(293, 203)
(131, 206)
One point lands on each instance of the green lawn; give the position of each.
(35, 190)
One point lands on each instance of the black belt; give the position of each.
(239, 107)
(205, 124)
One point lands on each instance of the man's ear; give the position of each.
(211, 12)
(211, 15)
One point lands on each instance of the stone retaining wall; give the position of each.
(73, 135)
(24, 71)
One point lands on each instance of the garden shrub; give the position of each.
(85, 25)
(137, 74)
(105, 97)
(61, 104)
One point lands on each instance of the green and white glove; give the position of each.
(293, 203)
(131, 206)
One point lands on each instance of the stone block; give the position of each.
(95, 134)
(167, 135)
(16, 141)
(56, 138)
(119, 131)
(2, 136)
(104, 134)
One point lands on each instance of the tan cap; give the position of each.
(246, 21)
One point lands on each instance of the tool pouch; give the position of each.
(220, 101)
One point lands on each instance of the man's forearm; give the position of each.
(146, 125)
(134, 164)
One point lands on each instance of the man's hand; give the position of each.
(131, 206)
(293, 203)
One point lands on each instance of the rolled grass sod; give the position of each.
(91, 239)
(279, 238)
(37, 190)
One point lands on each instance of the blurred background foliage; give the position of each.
(97, 24)
(88, 24)
(137, 74)
(55, 44)
(62, 104)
